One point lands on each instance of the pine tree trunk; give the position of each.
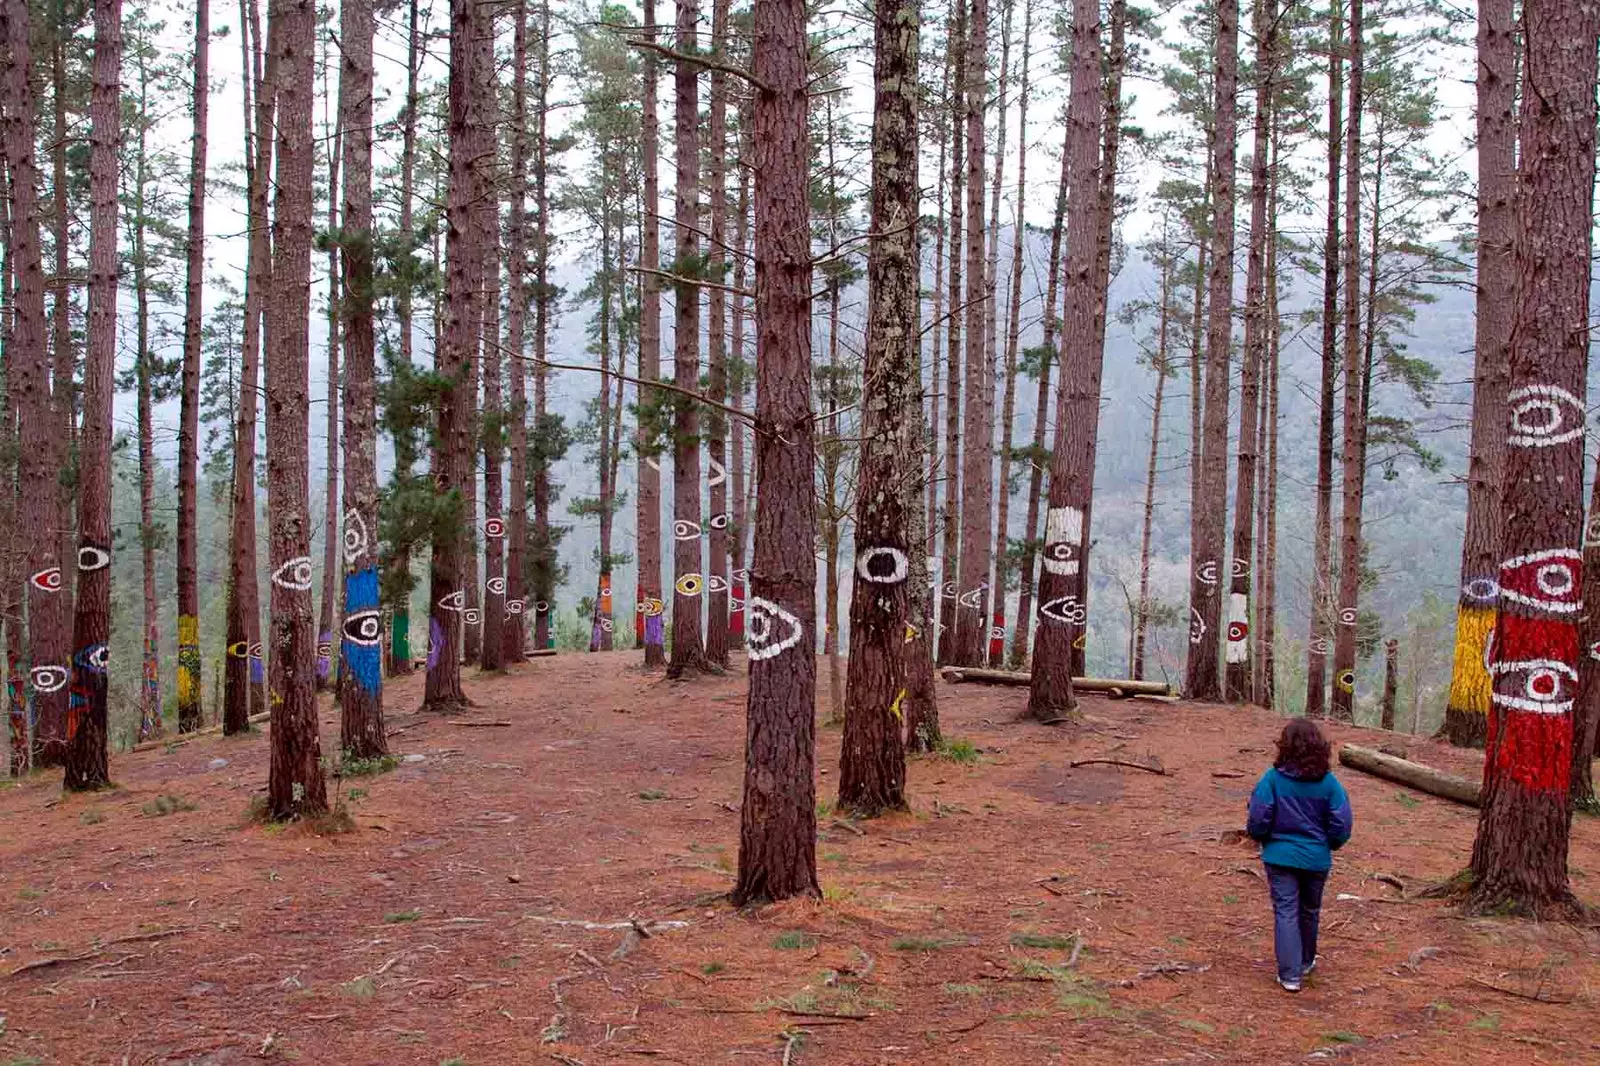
(244, 683)
(1163, 331)
(86, 760)
(11, 563)
(1203, 681)
(150, 692)
(1519, 859)
(1353, 447)
(648, 473)
(688, 649)
(191, 715)
(1050, 698)
(494, 523)
(63, 352)
(716, 352)
(1391, 683)
(778, 818)
(544, 568)
(872, 762)
(295, 784)
(27, 381)
(1466, 715)
(516, 344)
(1008, 409)
(398, 654)
(600, 626)
(485, 325)
(971, 625)
(739, 576)
(936, 367)
(361, 733)
(1266, 690)
(1319, 644)
(1586, 708)
(1041, 409)
(944, 631)
(331, 570)
(463, 278)
(1237, 682)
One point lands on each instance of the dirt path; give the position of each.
(476, 914)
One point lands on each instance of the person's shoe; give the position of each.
(1310, 966)
(1289, 986)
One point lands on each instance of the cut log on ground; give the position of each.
(1405, 772)
(1114, 685)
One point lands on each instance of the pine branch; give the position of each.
(679, 279)
(701, 61)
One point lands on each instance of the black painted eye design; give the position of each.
(294, 575)
(690, 585)
(364, 628)
(239, 650)
(770, 629)
(1346, 681)
(48, 678)
(355, 536)
(94, 658)
(93, 557)
(882, 565)
(1545, 580)
(1547, 685)
(720, 521)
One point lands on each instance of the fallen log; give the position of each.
(1115, 685)
(1405, 772)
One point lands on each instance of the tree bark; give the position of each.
(494, 523)
(1519, 859)
(398, 656)
(544, 583)
(295, 784)
(649, 464)
(872, 762)
(688, 648)
(1405, 772)
(1163, 332)
(244, 684)
(1267, 571)
(1050, 698)
(1353, 447)
(86, 760)
(1237, 687)
(778, 818)
(361, 733)
(739, 576)
(150, 724)
(1466, 714)
(516, 344)
(63, 354)
(1319, 644)
(971, 619)
(716, 351)
(944, 631)
(463, 279)
(1205, 606)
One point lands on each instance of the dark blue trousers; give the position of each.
(1296, 910)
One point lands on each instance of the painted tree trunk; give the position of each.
(331, 570)
(1267, 572)
(63, 354)
(295, 784)
(544, 583)
(361, 733)
(1061, 613)
(86, 758)
(951, 473)
(778, 817)
(1586, 707)
(49, 651)
(1319, 644)
(494, 521)
(739, 575)
(244, 684)
(648, 471)
(716, 352)
(1466, 714)
(941, 131)
(1203, 681)
(872, 762)
(1519, 859)
(512, 637)
(397, 658)
(463, 279)
(1237, 679)
(688, 646)
(1352, 476)
(971, 615)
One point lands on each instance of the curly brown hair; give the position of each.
(1303, 751)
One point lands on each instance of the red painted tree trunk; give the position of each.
(1519, 859)
(86, 761)
(778, 818)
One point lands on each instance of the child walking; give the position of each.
(1300, 815)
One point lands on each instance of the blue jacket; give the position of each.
(1300, 823)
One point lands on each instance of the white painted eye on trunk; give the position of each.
(294, 575)
(324, 648)
(1319, 646)
(716, 583)
(1348, 616)
(95, 658)
(1207, 572)
(948, 590)
(683, 529)
(355, 536)
(472, 616)
(1543, 415)
(1548, 685)
(1065, 610)
(770, 629)
(690, 585)
(654, 608)
(93, 557)
(606, 625)
(1239, 568)
(494, 527)
(48, 678)
(497, 586)
(716, 474)
(997, 633)
(543, 607)
(972, 598)
(364, 628)
(452, 602)
(513, 607)
(255, 650)
(1197, 627)
(882, 565)
(720, 521)
(47, 580)
(1483, 590)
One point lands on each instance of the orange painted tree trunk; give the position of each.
(1519, 859)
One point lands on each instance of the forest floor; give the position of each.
(1023, 911)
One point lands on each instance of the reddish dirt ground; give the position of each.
(474, 914)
